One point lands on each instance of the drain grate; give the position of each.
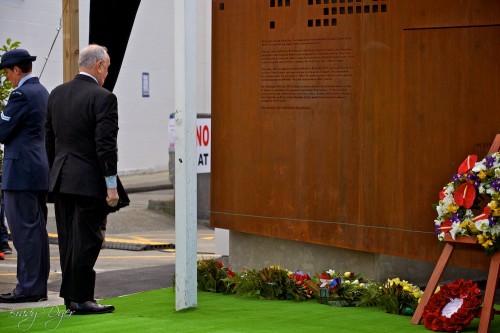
(137, 246)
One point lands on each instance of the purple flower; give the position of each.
(455, 217)
(495, 184)
(471, 177)
(489, 161)
(455, 177)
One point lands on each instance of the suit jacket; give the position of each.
(81, 135)
(22, 131)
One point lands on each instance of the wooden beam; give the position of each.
(71, 39)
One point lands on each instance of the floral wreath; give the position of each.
(465, 194)
(452, 307)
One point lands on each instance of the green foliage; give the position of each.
(269, 283)
(372, 295)
(247, 283)
(5, 86)
(349, 295)
(399, 297)
(213, 276)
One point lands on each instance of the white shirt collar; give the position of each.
(85, 73)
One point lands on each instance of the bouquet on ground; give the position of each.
(399, 297)
(340, 289)
(213, 276)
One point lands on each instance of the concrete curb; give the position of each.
(147, 188)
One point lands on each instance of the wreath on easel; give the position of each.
(452, 307)
(469, 205)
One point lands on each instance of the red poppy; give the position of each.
(470, 294)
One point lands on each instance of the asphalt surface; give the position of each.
(122, 269)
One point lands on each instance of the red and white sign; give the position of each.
(203, 140)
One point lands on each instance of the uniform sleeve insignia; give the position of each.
(4, 117)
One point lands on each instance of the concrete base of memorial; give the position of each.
(252, 251)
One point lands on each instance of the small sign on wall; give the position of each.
(145, 84)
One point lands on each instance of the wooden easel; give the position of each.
(487, 311)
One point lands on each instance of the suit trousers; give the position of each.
(26, 213)
(79, 219)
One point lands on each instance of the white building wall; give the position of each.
(143, 135)
(143, 121)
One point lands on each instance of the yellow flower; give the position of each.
(464, 224)
(487, 244)
(482, 174)
(493, 204)
(484, 241)
(453, 208)
(392, 282)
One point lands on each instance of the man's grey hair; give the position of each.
(91, 54)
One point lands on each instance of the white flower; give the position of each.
(481, 188)
(482, 224)
(495, 230)
(479, 166)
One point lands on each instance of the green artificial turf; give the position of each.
(154, 311)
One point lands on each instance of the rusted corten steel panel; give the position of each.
(338, 122)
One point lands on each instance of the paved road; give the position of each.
(122, 272)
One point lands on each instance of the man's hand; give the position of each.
(112, 198)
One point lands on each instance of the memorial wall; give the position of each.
(337, 122)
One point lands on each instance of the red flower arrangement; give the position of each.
(300, 280)
(453, 307)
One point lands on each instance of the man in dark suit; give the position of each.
(81, 143)
(25, 177)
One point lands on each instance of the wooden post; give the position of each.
(71, 39)
(185, 154)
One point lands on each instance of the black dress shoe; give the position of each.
(15, 297)
(90, 307)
